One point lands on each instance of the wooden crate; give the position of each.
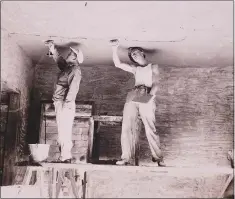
(82, 136)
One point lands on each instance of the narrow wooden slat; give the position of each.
(78, 122)
(85, 106)
(107, 118)
(228, 181)
(91, 138)
(173, 171)
(82, 110)
(42, 126)
(77, 114)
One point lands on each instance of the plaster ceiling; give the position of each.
(182, 33)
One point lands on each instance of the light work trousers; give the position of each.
(65, 113)
(131, 126)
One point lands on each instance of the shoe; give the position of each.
(160, 162)
(122, 162)
(67, 161)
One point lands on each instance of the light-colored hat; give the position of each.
(79, 54)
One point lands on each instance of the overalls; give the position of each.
(134, 111)
(64, 96)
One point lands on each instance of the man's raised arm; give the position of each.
(53, 52)
(116, 60)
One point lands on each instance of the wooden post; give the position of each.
(227, 183)
(42, 137)
(10, 138)
(95, 150)
(84, 185)
(91, 139)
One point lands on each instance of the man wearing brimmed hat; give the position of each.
(140, 104)
(65, 92)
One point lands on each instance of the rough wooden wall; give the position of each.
(79, 138)
(194, 110)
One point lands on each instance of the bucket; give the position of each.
(39, 152)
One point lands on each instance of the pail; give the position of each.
(39, 152)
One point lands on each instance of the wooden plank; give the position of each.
(77, 114)
(84, 106)
(109, 124)
(91, 139)
(78, 122)
(82, 110)
(85, 190)
(172, 171)
(20, 173)
(96, 144)
(107, 118)
(227, 183)
(42, 126)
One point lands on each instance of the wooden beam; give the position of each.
(78, 114)
(172, 171)
(91, 139)
(227, 183)
(107, 118)
(82, 110)
(42, 126)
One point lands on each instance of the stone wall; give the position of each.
(17, 76)
(194, 110)
(106, 85)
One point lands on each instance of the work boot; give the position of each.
(160, 162)
(123, 162)
(67, 161)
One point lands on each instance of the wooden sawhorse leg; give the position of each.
(58, 178)
(228, 181)
(40, 178)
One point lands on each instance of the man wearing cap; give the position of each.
(140, 104)
(65, 92)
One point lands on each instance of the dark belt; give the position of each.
(143, 87)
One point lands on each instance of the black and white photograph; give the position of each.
(117, 99)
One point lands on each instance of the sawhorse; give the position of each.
(40, 171)
(55, 182)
